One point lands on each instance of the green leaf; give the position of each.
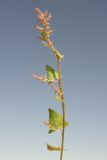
(57, 53)
(55, 121)
(56, 75)
(53, 148)
(51, 74)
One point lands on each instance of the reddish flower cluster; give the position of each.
(40, 78)
(45, 31)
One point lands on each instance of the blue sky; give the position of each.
(80, 33)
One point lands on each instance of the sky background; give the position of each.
(80, 33)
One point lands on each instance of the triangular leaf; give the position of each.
(52, 75)
(57, 53)
(53, 148)
(55, 120)
(56, 75)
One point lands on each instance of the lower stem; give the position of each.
(63, 131)
(63, 110)
(63, 104)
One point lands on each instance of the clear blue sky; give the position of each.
(80, 33)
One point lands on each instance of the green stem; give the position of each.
(63, 109)
(58, 57)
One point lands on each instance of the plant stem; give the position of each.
(63, 103)
(63, 109)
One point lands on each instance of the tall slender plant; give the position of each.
(53, 79)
